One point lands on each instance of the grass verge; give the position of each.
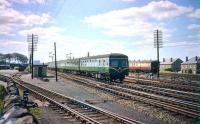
(36, 112)
(2, 94)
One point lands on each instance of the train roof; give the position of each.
(111, 55)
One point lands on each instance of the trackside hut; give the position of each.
(39, 70)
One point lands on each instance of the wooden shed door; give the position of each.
(40, 72)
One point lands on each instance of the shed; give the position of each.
(40, 70)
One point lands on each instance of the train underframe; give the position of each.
(101, 76)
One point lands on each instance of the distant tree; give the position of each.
(23, 59)
(20, 58)
(17, 57)
(169, 69)
(8, 57)
(190, 71)
(198, 71)
(1, 57)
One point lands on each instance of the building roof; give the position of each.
(169, 61)
(40, 65)
(141, 61)
(192, 60)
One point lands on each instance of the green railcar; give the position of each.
(110, 66)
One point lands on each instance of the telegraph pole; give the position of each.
(158, 43)
(55, 62)
(32, 45)
(32, 58)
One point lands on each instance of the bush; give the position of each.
(190, 71)
(2, 94)
(36, 112)
(198, 70)
(169, 69)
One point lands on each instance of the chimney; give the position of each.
(163, 59)
(196, 58)
(186, 59)
(171, 59)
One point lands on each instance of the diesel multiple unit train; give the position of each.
(109, 67)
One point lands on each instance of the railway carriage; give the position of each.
(110, 67)
(71, 65)
(144, 66)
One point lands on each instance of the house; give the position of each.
(171, 64)
(191, 66)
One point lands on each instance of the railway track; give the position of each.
(175, 86)
(180, 81)
(186, 76)
(84, 112)
(188, 96)
(187, 108)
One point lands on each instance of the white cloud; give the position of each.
(4, 3)
(27, 1)
(193, 26)
(136, 20)
(13, 19)
(195, 14)
(7, 43)
(128, 0)
(20, 1)
(182, 44)
(4, 30)
(41, 1)
(9, 15)
(49, 31)
(9, 46)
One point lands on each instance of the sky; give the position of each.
(101, 27)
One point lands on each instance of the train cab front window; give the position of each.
(119, 62)
(114, 62)
(123, 63)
